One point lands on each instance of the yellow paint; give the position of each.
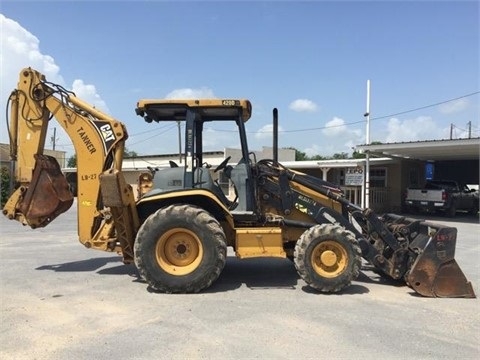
(259, 242)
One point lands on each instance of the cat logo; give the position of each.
(107, 132)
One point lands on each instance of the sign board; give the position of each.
(429, 171)
(354, 176)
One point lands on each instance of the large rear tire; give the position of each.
(180, 249)
(474, 209)
(452, 210)
(327, 257)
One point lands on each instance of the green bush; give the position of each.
(4, 184)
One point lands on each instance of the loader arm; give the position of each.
(107, 218)
(418, 252)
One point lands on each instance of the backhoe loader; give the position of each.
(177, 229)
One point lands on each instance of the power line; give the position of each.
(456, 127)
(155, 135)
(168, 128)
(147, 131)
(427, 106)
(375, 118)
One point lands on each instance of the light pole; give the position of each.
(367, 155)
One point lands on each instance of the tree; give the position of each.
(129, 154)
(358, 155)
(316, 157)
(342, 155)
(72, 161)
(4, 185)
(301, 156)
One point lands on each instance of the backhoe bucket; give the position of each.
(48, 194)
(435, 273)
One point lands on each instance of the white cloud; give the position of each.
(20, 49)
(86, 91)
(455, 106)
(218, 139)
(303, 105)
(339, 138)
(420, 128)
(202, 93)
(266, 132)
(313, 150)
(335, 127)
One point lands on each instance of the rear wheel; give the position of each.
(474, 209)
(327, 257)
(452, 210)
(180, 249)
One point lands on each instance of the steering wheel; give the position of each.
(222, 165)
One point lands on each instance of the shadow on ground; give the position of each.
(94, 264)
(255, 274)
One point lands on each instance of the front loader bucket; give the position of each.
(435, 273)
(48, 194)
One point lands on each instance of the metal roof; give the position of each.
(434, 150)
(334, 163)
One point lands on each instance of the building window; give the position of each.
(378, 177)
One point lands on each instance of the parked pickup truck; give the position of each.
(445, 195)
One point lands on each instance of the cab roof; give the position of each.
(208, 109)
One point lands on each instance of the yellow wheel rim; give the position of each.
(179, 251)
(329, 259)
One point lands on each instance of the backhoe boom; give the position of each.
(42, 191)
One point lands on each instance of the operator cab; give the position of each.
(199, 118)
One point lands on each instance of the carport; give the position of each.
(456, 159)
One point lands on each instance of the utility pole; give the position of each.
(54, 137)
(451, 131)
(367, 155)
(469, 126)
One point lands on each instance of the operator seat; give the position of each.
(239, 177)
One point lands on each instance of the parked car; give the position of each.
(442, 195)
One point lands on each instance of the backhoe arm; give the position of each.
(107, 218)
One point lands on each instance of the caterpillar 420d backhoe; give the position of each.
(178, 228)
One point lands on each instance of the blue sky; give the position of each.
(309, 59)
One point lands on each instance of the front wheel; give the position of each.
(327, 257)
(180, 249)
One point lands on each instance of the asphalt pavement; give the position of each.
(60, 300)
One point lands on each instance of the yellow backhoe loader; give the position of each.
(178, 227)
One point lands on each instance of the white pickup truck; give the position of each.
(442, 195)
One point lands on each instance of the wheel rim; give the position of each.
(329, 259)
(179, 251)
